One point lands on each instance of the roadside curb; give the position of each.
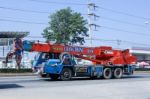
(141, 72)
(32, 74)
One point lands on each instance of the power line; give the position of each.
(121, 41)
(131, 32)
(20, 18)
(105, 40)
(22, 10)
(106, 18)
(103, 8)
(30, 11)
(19, 21)
(125, 22)
(124, 13)
(111, 28)
(97, 39)
(35, 37)
(60, 3)
(130, 42)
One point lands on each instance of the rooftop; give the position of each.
(13, 34)
(140, 50)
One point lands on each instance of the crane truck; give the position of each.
(62, 61)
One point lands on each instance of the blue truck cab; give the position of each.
(68, 68)
(39, 62)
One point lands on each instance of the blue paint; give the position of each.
(90, 51)
(27, 45)
(73, 49)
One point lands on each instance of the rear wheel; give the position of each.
(54, 76)
(107, 73)
(66, 74)
(118, 73)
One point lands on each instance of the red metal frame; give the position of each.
(104, 55)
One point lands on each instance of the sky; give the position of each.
(123, 23)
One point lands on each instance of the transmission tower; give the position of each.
(91, 18)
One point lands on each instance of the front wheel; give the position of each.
(66, 74)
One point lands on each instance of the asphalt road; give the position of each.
(32, 87)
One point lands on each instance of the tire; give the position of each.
(54, 76)
(43, 75)
(107, 73)
(118, 73)
(66, 74)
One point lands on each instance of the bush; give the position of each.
(142, 69)
(15, 71)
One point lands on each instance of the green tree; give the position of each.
(66, 27)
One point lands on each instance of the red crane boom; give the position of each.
(104, 55)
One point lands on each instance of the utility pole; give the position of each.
(118, 43)
(91, 14)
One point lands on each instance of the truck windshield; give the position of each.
(54, 63)
(37, 56)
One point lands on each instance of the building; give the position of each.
(6, 45)
(143, 56)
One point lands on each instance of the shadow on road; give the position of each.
(7, 86)
(87, 78)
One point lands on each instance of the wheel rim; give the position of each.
(107, 73)
(66, 74)
(118, 73)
